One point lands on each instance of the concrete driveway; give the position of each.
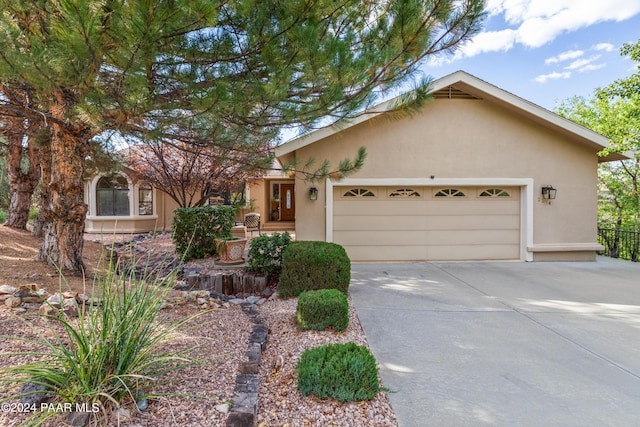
(505, 344)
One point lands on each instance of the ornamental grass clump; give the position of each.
(345, 372)
(322, 309)
(105, 358)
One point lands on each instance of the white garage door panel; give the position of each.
(368, 207)
(474, 222)
(376, 207)
(412, 223)
(428, 228)
(427, 237)
(385, 222)
(387, 253)
(430, 253)
(465, 253)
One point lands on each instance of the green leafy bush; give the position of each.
(106, 357)
(323, 308)
(346, 372)
(311, 265)
(265, 253)
(3, 216)
(195, 228)
(33, 213)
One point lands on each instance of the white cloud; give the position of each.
(592, 67)
(579, 63)
(607, 47)
(553, 76)
(490, 41)
(570, 54)
(539, 22)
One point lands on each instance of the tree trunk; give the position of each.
(63, 239)
(43, 218)
(22, 183)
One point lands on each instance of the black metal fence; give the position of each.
(619, 243)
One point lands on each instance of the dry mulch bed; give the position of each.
(194, 393)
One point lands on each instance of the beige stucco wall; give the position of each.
(160, 221)
(468, 139)
(258, 196)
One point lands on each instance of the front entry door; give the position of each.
(287, 203)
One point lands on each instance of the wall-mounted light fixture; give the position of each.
(313, 193)
(548, 192)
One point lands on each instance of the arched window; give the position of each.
(359, 192)
(494, 192)
(112, 196)
(450, 192)
(404, 192)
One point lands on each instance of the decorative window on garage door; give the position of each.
(494, 192)
(449, 192)
(404, 193)
(359, 192)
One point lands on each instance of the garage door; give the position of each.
(427, 223)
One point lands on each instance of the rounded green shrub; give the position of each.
(194, 229)
(266, 252)
(345, 372)
(312, 265)
(322, 309)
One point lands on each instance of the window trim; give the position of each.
(494, 193)
(406, 193)
(114, 191)
(449, 193)
(91, 195)
(359, 192)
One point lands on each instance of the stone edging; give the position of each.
(244, 404)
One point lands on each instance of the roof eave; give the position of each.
(484, 90)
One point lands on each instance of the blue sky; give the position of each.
(546, 51)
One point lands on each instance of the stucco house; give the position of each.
(122, 203)
(472, 176)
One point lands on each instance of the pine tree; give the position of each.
(141, 66)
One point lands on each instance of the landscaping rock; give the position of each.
(7, 290)
(12, 302)
(55, 300)
(267, 292)
(34, 393)
(24, 291)
(47, 310)
(222, 408)
(122, 415)
(78, 419)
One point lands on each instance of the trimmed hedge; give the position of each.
(312, 265)
(323, 308)
(195, 228)
(346, 372)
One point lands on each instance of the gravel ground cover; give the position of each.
(196, 396)
(281, 404)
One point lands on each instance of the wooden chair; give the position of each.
(252, 222)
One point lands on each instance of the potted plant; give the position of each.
(230, 249)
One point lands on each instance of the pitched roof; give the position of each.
(462, 85)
